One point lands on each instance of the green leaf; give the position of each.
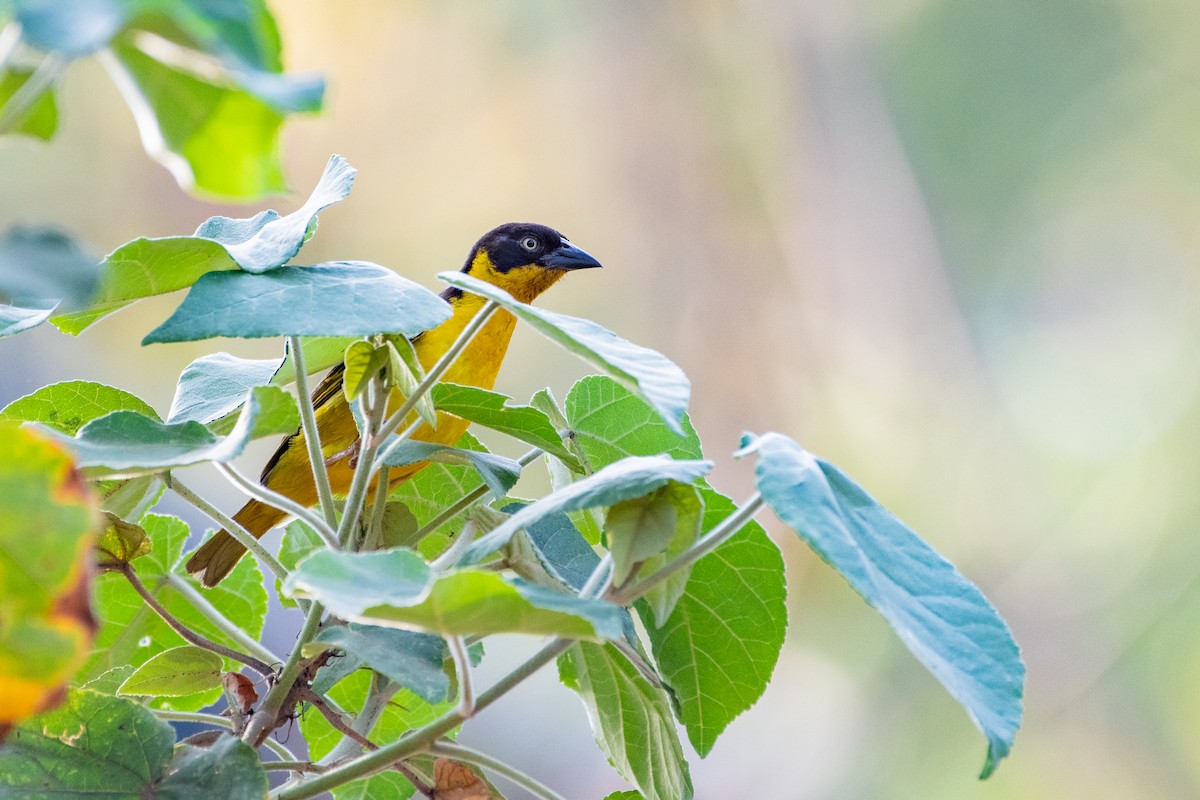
(631, 477)
(130, 633)
(348, 298)
(40, 119)
(649, 374)
(414, 660)
(46, 522)
(68, 406)
(397, 588)
(498, 472)
(108, 682)
(219, 140)
(405, 712)
(628, 794)
(630, 719)
(72, 29)
(93, 745)
(609, 422)
(126, 442)
(298, 541)
(560, 548)
(407, 374)
(491, 410)
(44, 264)
(718, 648)
(16, 319)
(212, 386)
(144, 268)
(228, 768)
(434, 488)
(940, 616)
(268, 240)
(653, 528)
(363, 361)
(177, 672)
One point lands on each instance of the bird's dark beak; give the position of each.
(568, 256)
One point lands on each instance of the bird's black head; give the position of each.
(525, 258)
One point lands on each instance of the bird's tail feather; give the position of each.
(216, 557)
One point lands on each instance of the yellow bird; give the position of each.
(523, 259)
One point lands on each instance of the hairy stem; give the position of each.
(368, 447)
(210, 612)
(462, 668)
(447, 559)
(312, 437)
(475, 758)
(420, 739)
(22, 99)
(190, 636)
(244, 537)
(268, 711)
(374, 535)
(376, 701)
(274, 499)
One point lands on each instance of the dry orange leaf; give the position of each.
(455, 781)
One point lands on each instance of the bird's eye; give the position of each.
(529, 243)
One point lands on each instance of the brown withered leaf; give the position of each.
(455, 781)
(239, 691)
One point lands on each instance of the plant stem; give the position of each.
(475, 758)
(375, 529)
(210, 612)
(462, 668)
(699, 549)
(467, 500)
(312, 437)
(421, 738)
(268, 711)
(447, 559)
(244, 537)
(220, 722)
(10, 37)
(276, 500)
(22, 99)
(190, 636)
(598, 578)
(294, 766)
(481, 317)
(369, 446)
(378, 696)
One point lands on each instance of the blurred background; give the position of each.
(950, 246)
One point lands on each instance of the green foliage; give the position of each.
(940, 616)
(447, 558)
(101, 746)
(631, 720)
(204, 81)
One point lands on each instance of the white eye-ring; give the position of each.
(529, 243)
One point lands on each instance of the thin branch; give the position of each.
(699, 549)
(599, 579)
(467, 500)
(190, 636)
(293, 766)
(376, 701)
(462, 669)
(420, 739)
(10, 37)
(375, 528)
(268, 710)
(274, 499)
(244, 537)
(20, 101)
(210, 612)
(312, 437)
(335, 719)
(449, 558)
(369, 444)
(475, 758)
